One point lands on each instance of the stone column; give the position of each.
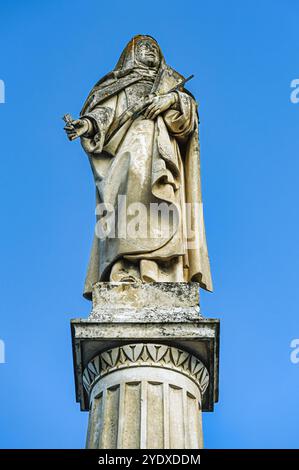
(146, 396)
(146, 366)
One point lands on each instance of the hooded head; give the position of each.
(142, 51)
(141, 57)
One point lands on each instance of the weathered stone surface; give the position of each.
(201, 338)
(145, 302)
(145, 370)
(171, 324)
(140, 295)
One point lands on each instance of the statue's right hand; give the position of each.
(76, 128)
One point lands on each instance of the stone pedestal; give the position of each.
(146, 366)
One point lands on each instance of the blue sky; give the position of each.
(244, 56)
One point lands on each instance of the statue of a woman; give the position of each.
(139, 128)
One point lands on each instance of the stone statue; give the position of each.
(139, 128)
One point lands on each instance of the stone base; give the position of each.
(146, 365)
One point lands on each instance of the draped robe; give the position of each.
(148, 162)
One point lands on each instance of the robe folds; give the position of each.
(138, 164)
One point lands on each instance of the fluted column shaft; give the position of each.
(145, 396)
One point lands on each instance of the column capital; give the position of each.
(146, 355)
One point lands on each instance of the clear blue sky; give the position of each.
(244, 56)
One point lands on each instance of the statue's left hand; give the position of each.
(159, 105)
